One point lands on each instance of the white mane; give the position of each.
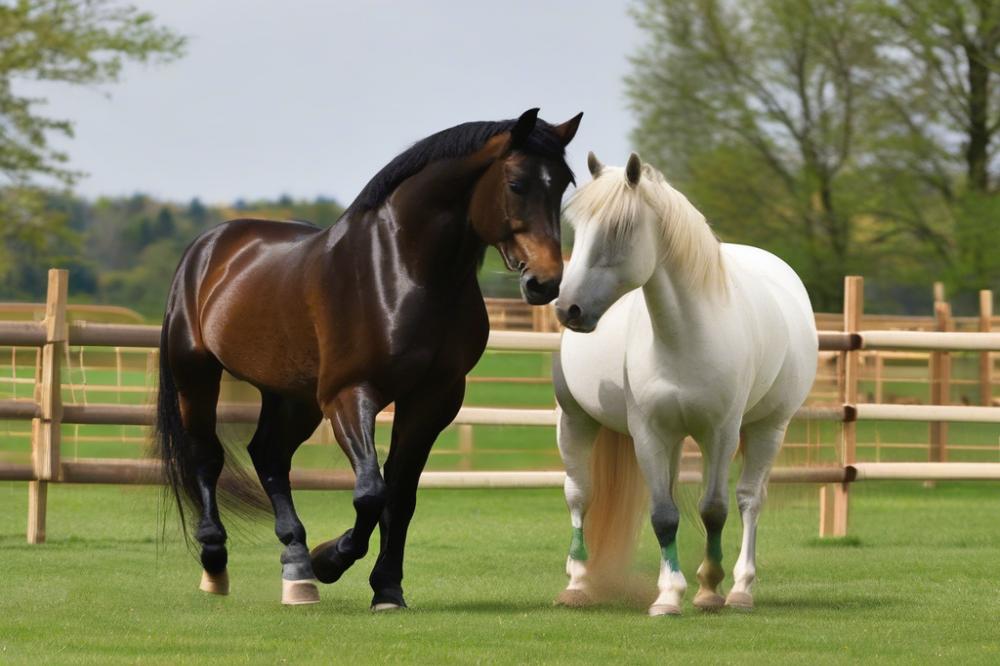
(688, 244)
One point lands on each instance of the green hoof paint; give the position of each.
(577, 548)
(669, 554)
(714, 549)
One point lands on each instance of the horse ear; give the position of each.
(594, 164)
(633, 169)
(567, 130)
(522, 128)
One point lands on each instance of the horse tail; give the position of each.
(619, 501)
(173, 446)
(238, 492)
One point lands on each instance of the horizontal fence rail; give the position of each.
(53, 336)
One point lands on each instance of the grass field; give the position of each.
(917, 582)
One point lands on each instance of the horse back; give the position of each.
(239, 292)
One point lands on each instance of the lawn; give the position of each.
(917, 581)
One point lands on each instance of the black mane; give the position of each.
(453, 142)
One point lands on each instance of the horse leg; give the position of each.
(419, 419)
(762, 444)
(198, 396)
(352, 414)
(717, 450)
(283, 425)
(659, 458)
(576, 432)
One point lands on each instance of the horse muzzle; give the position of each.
(575, 319)
(536, 292)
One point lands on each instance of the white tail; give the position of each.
(617, 506)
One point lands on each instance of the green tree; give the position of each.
(757, 109)
(847, 135)
(59, 41)
(938, 147)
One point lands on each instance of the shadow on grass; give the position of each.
(18, 542)
(835, 542)
(821, 603)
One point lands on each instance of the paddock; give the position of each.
(54, 336)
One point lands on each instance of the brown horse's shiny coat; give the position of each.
(382, 307)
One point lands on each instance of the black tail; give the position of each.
(177, 450)
(174, 447)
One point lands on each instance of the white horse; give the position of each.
(671, 333)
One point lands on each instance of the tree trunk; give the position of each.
(976, 153)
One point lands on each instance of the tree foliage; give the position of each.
(844, 134)
(55, 41)
(123, 250)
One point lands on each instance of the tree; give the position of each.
(78, 43)
(757, 109)
(845, 134)
(943, 104)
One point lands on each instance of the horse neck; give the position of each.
(676, 314)
(689, 282)
(422, 228)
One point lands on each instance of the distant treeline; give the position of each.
(123, 250)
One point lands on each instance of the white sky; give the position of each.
(311, 98)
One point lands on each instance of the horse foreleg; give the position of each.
(576, 432)
(762, 444)
(419, 419)
(352, 414)
(282, 427)
(659, 459)
(718, 448)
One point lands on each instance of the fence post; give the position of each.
(985, 367)
(940, 386)
(465, 442)
(45, 431)
(835, 498)
(939, 292)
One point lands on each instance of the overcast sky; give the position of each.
(311, 98)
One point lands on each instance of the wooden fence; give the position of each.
(47, 413)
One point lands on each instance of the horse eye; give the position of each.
(516, 187)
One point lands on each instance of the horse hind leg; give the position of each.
(762, 444)
(198, 394)
(282, 427)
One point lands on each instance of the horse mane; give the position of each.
(687, 241)
(453, 142)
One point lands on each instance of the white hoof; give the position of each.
(299, 592)
(708, 600)
(664, 609)
(740, 600)
(386, 607)
(214, 583)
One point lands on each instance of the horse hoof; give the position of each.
(708, 600)
(328, 563)
(740, 600)
(299, 592)
(387, 607)
(657, 610)
(214, 583)
(573, 598)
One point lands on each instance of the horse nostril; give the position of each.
(574, 312)
(533, 285)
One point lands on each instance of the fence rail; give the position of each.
(47, 412)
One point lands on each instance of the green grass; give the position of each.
(915, 582)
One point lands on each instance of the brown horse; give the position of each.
(384, 306)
